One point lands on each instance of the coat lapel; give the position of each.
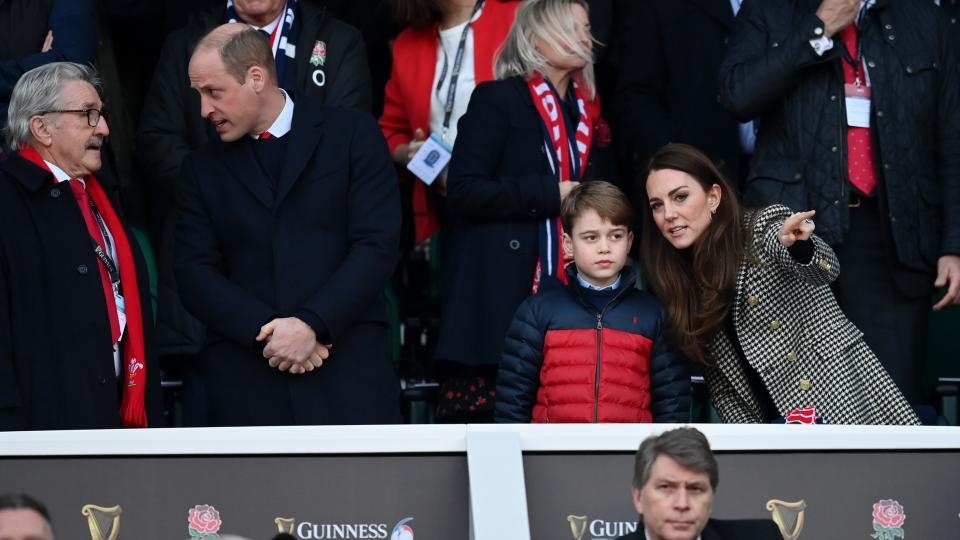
(240, 162)
(721, 10)
(305, 135)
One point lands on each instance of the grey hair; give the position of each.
(687, 446)
(39, 90)
(552, 22)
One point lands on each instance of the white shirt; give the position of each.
(61, 176)
(449, 42)
(284, 121)
(823, 44)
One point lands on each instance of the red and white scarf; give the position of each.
(132, 349)
(567, 165)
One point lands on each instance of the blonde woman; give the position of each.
(526, 140)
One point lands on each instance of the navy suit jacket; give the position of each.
(321, 249)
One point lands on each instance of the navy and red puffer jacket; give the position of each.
(565, 360)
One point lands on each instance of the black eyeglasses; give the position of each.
(93, 115)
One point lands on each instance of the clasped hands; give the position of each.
(292, 346)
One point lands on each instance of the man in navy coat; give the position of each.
(288, 232)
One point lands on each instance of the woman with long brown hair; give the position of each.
(747, 295)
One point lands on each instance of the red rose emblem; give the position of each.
(602, 136)
(204, 518)
(888, 514)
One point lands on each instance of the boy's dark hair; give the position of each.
(22, 501)
(605, 198)
(687, 446)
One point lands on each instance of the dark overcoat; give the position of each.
(322, 249)
(56, 352)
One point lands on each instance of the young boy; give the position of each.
(592, 351)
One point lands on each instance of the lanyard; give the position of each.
(857, 63)
(98, 250)
(457, 63)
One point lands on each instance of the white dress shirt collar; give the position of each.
(284, 122)
(58, 174)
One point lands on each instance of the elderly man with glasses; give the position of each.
(75, 320)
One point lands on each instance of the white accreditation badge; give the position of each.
(858, 104)
(431, 159)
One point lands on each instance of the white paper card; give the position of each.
(431, 159)
(858, 112)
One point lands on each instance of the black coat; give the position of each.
(499, 190)
(321, 250)
(56, 351)
(171, 127)
(771, 71)
(726, 529)
(667, 88)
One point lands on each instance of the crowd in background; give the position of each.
(527, 101)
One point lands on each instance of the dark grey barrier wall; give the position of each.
(316, 497)
(587, 496)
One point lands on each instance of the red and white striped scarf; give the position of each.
(567, 165)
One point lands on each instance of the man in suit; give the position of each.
(859, 107)
(75, 317)
(667, 89)
(287, 234)
(316, 56)
(674, 482)
(24, 518)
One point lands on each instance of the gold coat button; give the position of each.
(792, 356)
(824, 265)
(753, 300)
(775, 324)
(805, 385)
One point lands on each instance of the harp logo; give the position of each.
(103, 521)
(578, 526)
(285, 525)
(203, 522)
(584, 528)
(788, 516)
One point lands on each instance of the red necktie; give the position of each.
(266, 135)
(861, 168)
(80, 192)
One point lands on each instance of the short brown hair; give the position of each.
(605, 198)
(687, 446)
(239, 51)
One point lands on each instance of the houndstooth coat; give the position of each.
(793, 333)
